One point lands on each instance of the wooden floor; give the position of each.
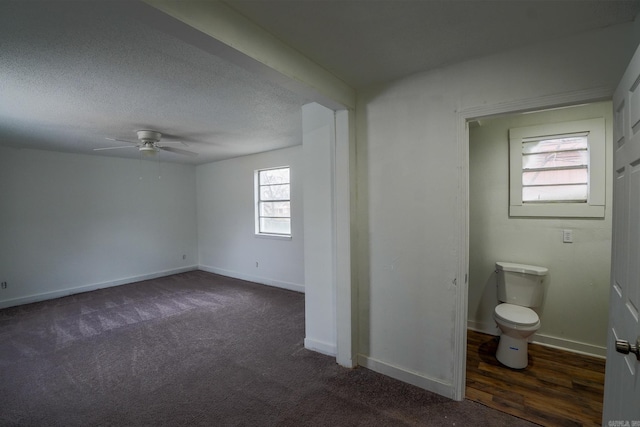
(558, 388)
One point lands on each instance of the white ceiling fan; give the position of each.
(149, 143)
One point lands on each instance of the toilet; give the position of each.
(520, 287)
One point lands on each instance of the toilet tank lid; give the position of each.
(522, 268)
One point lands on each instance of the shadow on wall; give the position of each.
(483, 314)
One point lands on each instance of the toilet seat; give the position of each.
(518, 315)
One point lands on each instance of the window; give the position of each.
(273, 202)
(558, 170)
(555, 169)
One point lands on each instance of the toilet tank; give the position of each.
(520, 284)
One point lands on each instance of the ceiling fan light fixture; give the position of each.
(148, 150)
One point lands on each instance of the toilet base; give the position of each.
(513, 352)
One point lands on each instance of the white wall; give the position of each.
(318, 142)
(71, 223)
(408, 160)
(574, 314)
(226, 223)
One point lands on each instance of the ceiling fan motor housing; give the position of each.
(149, 135)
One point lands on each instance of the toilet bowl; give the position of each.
(517, 324)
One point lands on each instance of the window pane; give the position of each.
(276, 209)
(273, 210)
(275, 192)
(555, 159)
(570, 154)
(275, 225)
(566, 176)
(555, 193)
(274, 176)
(555, 144)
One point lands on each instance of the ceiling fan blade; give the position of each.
(178, 151)
(114, 148)
(173, 142)
(122, 140)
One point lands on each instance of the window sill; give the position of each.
(272, 236)
(557, 210)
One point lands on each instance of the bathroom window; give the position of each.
(273, 202)
(558, 170)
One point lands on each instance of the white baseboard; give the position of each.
(414, 378)
(569, 345)
(485, 328)
(546, 340)
(92, 287)
(262, 280)
(320, 347)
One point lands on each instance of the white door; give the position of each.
(622, 378)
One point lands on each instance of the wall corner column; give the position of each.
(318, 143)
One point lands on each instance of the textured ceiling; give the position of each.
(73, 73)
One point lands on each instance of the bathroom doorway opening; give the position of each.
(574, 312)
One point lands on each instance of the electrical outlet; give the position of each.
(567, 236)
(4, 285)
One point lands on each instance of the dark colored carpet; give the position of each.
(195, 349)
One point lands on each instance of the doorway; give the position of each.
(574, 314)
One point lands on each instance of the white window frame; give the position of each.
(595, 204)
(256, 180)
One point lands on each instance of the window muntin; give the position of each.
(273, 201)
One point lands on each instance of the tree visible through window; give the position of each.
(273, 196)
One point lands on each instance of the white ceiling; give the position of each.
(74, 73)
(366, 42)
